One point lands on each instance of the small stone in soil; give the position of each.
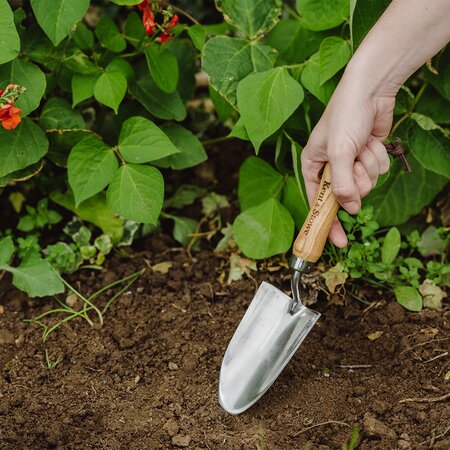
(171, 427)
(375, 428)
(173, 366)
(181, 441)
(6, 337)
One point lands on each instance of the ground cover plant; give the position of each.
(96, 105)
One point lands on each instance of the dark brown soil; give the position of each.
(148, 379)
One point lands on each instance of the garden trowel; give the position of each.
(275, 324)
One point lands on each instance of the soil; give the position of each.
(148, 378)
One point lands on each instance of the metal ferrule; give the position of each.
(299, 264)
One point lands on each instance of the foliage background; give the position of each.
(105, 116)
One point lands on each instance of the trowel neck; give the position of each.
(299, 265)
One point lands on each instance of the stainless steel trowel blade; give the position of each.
(266, 339)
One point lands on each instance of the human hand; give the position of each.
(350, 137)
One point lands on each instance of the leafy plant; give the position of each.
(133, 74)
(279, 72)
(385, 261)
(89, 102)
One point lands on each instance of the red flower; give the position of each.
(148, 20)
(164, 37)
(173, 22)
(9, 116)
(143, 5)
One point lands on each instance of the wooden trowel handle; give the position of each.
(313, 235)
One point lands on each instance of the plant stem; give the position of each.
(115, 283)
(292, 12)
(84, 299)
(411, 108)
(218, 139)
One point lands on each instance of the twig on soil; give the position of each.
(355, 366)
(426, 400)
(434, 437)
(424, 343)
(436, 357)
(320, 425)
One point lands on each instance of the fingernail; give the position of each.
(351, 207)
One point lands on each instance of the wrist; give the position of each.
(375, 80)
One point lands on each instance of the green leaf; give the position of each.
(185, 195)
(409, 298)
(79, 62)
(258, 181)
(141, 141)
(183, 229)
(334, 54)
(121, 66)
(83, 37)
(431, 149)
(187, 57)
(28, 75)
(22, 175)
(324, 14)
(126, 2)
(94, 210)
(21, 147)
(426, 123)
(91, 166)
(57, 17)
(223, 109)
(239, 130)
(403, 195)
(266, 100)
(82, 87)
(391, 246)
(110, 89)
(441, 80)
(435, 106)
(310, 79)
(163, 67)
(197, 33)
(264, 230)
(229, 60)
(295, 201)
(190, 150)
(36, 277)
(9, 39)
(58, 115)
(431, 243)
(252, 17)
(109, 35)
(62, 142)
(137, 193)
(293, 41)
(133, 30)
(6, 250)
(160, 104)
(363, 18)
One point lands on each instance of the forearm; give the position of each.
(408, 34)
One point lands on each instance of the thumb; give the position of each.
(342, 180)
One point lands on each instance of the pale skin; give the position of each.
(358, 118)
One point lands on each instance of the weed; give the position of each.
(88, 306)
(52, 363)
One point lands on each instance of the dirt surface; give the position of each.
(148, 378)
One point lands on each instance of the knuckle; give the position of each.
(343, 192)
